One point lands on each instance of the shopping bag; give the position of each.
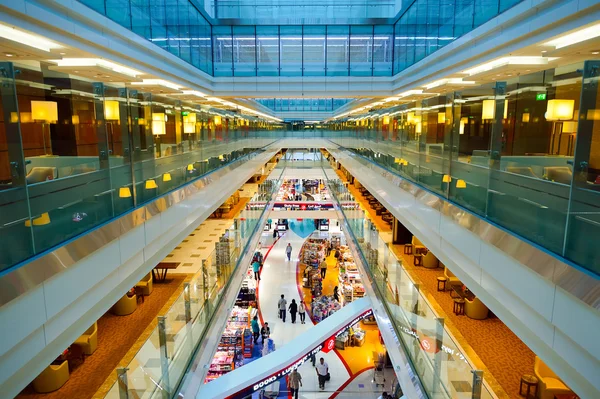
(327, 377)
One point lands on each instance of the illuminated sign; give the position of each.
(325, 346)
(540, 96)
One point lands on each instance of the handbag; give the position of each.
(327, 377)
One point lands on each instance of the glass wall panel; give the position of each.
(361, 50)
(383, 50)
(267, 50)
(290, 50)
(338, 50)
(314, 50)
(222, 51)
(584, 216)
(244, 51)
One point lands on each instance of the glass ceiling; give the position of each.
(303, 104)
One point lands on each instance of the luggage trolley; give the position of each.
(378, 374)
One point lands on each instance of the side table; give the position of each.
(459, 306)
(408, 249)
(441, 283)
(529, 381)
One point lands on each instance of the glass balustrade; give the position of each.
(163, 359)
(436, 357)
(75, 154)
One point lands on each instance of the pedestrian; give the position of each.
(265, 331)
(338, 255)
(322, 373)
(384, 395)
(281, 305)
(275, 233)
(294, 382)
(293, 310)
(313, 359)
(323, 267)
(260, 245)
(288, 251)
(336, 294)
(255, 328)
(302, 312)
(256, 268)
(329, 247)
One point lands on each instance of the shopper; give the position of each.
(323, 267)
(294, 382)
(275, 233)
(265, 331)
(281, 305)
(255, 328)
(384, 395)
(288, 251)
(256, 268)
(329, 247)
(336, 294)
(302, 312)
(293, 310)
(322, 373)
(338, 254)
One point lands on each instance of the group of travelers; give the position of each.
(294, 309)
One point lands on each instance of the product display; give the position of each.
(323, 307)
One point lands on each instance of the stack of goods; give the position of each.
(316, 283)
(323, 307)
(248, 343)
(247, 295)
(222, 363)
(350, 282)
(268, 347)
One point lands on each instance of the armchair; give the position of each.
(88, 341)
(549, 383)
(417, 245)
(475, 309)
(52, 378)
(126, 305)
(430, 261)
(146, 284)
(452, 279)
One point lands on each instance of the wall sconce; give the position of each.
(124, 192)
(505, 109)
(111, 110)
(559, 110)
(525, 117)
(189, 123)
(167, 177)
(158, 124)
(386, 120)
(441, 117)
(446, 179)
(488, 109)
(461, 125)
(190, 167)
(150, 184)
(461, 184)
(47, 112)
(217, 120)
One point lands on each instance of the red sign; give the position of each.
(329, 345)
(428, 344)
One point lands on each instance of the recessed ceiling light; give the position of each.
(576, 37)
(76, 71)
(62, 53)
(12, 55)
(544, 51)
(27, 39)
(595, 52)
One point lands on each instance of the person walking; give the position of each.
(336, 294)
(293, 310)
(322, 372)
(274, 233)
(256, 268)
(302, 312)
(282, 305)
(255, 328)
(288, 251)
(265, 331)
(294, 382)
(323, 268)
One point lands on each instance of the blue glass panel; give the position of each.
(267, 50)
(244, 51)
(313, 50)
(361, 50)
(290, 50)
(382, 50)
(338, 54)
(222, 51)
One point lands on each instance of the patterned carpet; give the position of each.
(116, 334)
(504, 354)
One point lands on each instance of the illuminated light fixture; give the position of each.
(46, 111)
(159, 127)
(124, 192)
(500, 62)
(559, 110)
(156, 82)
(189, 123)
(217, 120)
(488, 109)
(592, 115)
(92, 62)
(111, 110)
(14, 117)
(75, 119)
(451, 81)
(193, 93)
(41, 220)
(221, 157)
(461, 125)
(525, 117)
(461, 184)
(418, 128)
(386, 120)
(35, 41)
(409, 93)
(569, 127)
(388, 99)
(575, 37)
(441, 117)
(190, 167)
(150, 184)
(446, 179)
(167, 176)
(505, 109)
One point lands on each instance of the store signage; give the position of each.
(325, 347)
(540, 96)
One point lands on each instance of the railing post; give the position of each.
(122, 382)
(477, 383)
(437, 362)
(187, 303)
(415, 306)
(164, 355)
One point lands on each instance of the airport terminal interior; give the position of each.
(238, 199)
